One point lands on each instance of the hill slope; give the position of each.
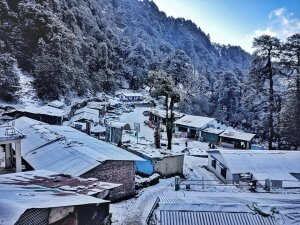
(83, 46)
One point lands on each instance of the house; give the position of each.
(114, 131)
(159, 116)
(211, 135)
(10, 139)
(193, 125)
(46, 113)
(130, 96)
(63, 149)
(279, 166)
(236, 139)
(43, 197)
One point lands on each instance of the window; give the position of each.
(223, 172)
(214, 163)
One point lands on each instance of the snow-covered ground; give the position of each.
(135, 211)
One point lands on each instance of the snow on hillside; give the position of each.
(27, 92)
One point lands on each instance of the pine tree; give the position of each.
(291, 61)
(9, 79)
(162, 85)
(267, 49)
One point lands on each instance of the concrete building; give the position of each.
(10, 140)
(165, 165)
(236, 139)
(63, 149)
(43, 197)
(193, 125)
(281, 167)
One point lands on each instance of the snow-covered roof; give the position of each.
(86, 109)
(9, 133)
(64, 149)
(162, 113)
(44, 110)
(258, 161)
(213, 130)
(86, 113)
(56, 104)
(17, 196)
(97, 105)
(194, 121)
(132, 94)
(234, 134)
(98, 129)
(119, 125)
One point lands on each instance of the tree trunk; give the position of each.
(297, 143)
(167, 117)
(271, 102)
(170, 126)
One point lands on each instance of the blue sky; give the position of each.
(237, 22)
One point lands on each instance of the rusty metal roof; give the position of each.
(53, 180)
(22, 191)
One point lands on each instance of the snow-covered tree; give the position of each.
(267, 50)
(290, 59)
(9, 79)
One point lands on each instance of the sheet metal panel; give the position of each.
(169, 217)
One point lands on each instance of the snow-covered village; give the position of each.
(149, 112)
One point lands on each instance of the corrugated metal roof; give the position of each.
(64, 149)
(172, 217)
(54, 180)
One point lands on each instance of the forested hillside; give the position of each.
(86, 46)
(80, 47)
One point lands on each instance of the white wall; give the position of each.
(169, 166)
(217, 172)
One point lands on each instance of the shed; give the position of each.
(114, 131)
(211, 135)
(86, 114)
(193, 125)
(156, 161)
(236, 139)
(46, 113)
(63, 149)
(229, 165)
(26, 198)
